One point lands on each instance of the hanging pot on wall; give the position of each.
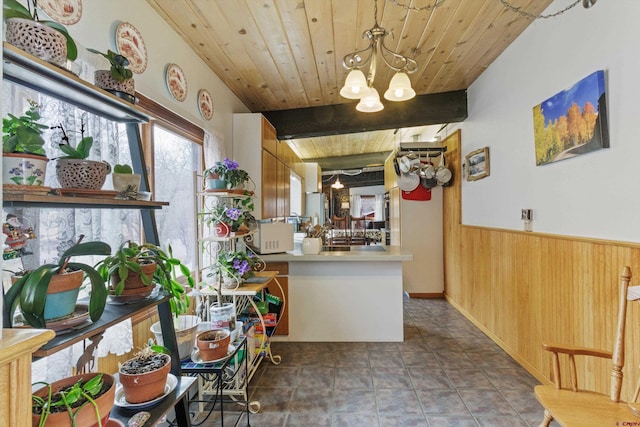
(443, 174)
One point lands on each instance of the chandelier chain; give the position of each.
(436, 4)
(518, 10)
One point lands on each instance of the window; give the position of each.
(295, 192)
(176, 161)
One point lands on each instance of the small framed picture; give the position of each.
(477, 164)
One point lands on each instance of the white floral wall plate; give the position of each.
(131, 45)
(176, 82)
(205, 104)
(65, 12)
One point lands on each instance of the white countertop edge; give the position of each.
(391, 253)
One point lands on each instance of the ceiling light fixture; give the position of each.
(357, 86)
(338, 185)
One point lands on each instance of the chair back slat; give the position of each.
(617, 360)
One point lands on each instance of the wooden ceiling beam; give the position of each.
(430, 109)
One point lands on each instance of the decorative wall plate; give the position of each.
(65, 12)
(205, 104)
(131, 45)
(176, 82)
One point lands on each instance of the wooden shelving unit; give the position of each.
(26, 70)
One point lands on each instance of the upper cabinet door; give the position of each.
(269, 141)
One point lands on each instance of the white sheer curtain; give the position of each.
(213, 148)
(57, 229)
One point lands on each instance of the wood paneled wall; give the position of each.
(524, 288)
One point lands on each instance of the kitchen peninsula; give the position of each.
(345, 294)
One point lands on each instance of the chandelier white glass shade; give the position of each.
(370, 103)
(356, 83)
(337, 184)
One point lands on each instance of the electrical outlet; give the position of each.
(526, 215)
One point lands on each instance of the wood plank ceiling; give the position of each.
(286, 54)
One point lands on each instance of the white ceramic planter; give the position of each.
(122, 181)
(23, 169)
(311, 245)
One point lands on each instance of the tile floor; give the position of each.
(446, 373)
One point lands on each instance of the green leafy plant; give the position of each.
(76, 396)
(236, 264)
(129, 258)
(119, 64)
(223, 213)
(82, 149)
(125, 169)
(31, 289)
(24, 134)
(13, 9)
(229, 172)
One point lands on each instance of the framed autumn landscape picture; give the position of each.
(572, 122)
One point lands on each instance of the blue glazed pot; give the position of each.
(62, 294)
(216, 184)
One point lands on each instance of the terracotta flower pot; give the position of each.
(62, 294)
(140, 388)
(86, 415)
(222, 229)
(213, 344)
(133, 280)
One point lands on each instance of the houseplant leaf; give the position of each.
(34, 295)
(99, 291)
(86, 248)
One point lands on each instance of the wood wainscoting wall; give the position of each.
(523, 288)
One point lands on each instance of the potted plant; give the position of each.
(46, 40)
(234, 267)
(124, 179)
(130, 260)
(73, 169)
(225, 219)
(51, 290)
(24, 161)
(118, 79)
(225, 174)
(144, 376)
(213, 344)
(81, 400)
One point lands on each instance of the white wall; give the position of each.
(593, 195)
(96, 29)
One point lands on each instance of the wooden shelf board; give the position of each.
(113, 314)
(70, 201)
(28, 71)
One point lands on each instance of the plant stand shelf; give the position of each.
(226, 382)
(162, 408)
(243, 298)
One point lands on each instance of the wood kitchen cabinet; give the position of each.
(268, 161)
(282, 292)
(269, 185)
(269, 139)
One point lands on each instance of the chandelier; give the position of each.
(357, 86)
(337, 185)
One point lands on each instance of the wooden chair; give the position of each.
(574, 407)
(340, 231)
(358, 231)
